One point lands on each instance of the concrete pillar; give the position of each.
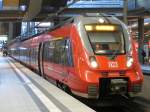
(140, 38)
(33, 10)
(14, 30)
(28, 30)
(10, 31)
(125, 10)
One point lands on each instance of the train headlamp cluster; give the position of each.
(93, 62)
(129, 61)
(100, 28)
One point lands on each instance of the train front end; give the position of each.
(107, 62)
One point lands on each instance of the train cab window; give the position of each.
(107, 42)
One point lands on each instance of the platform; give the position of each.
(21, 90)
(146, 69)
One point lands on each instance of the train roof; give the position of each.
(84, 19)
(97, 18)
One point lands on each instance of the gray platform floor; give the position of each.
(21, 90)
(146, 69)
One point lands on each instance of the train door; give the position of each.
(59, 58)
(63, 60)
(48, 49)
(66, 61)
(40, 60)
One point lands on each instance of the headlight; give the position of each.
(93, 62)
(129, 61)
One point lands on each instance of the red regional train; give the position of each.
(91, 56)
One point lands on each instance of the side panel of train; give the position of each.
(56, 55)
(61, 58)
(50, 54)
(27, 51)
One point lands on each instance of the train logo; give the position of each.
(113, 64)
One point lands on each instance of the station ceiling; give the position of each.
(26, 9)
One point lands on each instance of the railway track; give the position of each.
(123, 105)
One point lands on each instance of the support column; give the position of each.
(33, 10)
(10, 31)
(140, 38)
(28, 30)
(125, 11)
(14, 30)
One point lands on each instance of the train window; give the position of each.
(69, 53)
(36, 54)
(63, 52)
(107, 42)
(45, 52)
(32, 56)
(49, 51)
(60, 52)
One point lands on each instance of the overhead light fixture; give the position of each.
(23, 7)
(146, 23)
(101, 20)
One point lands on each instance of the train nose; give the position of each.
(118, 86)
(113, 86)
(93, 91)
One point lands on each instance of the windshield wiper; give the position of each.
(115, 52)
